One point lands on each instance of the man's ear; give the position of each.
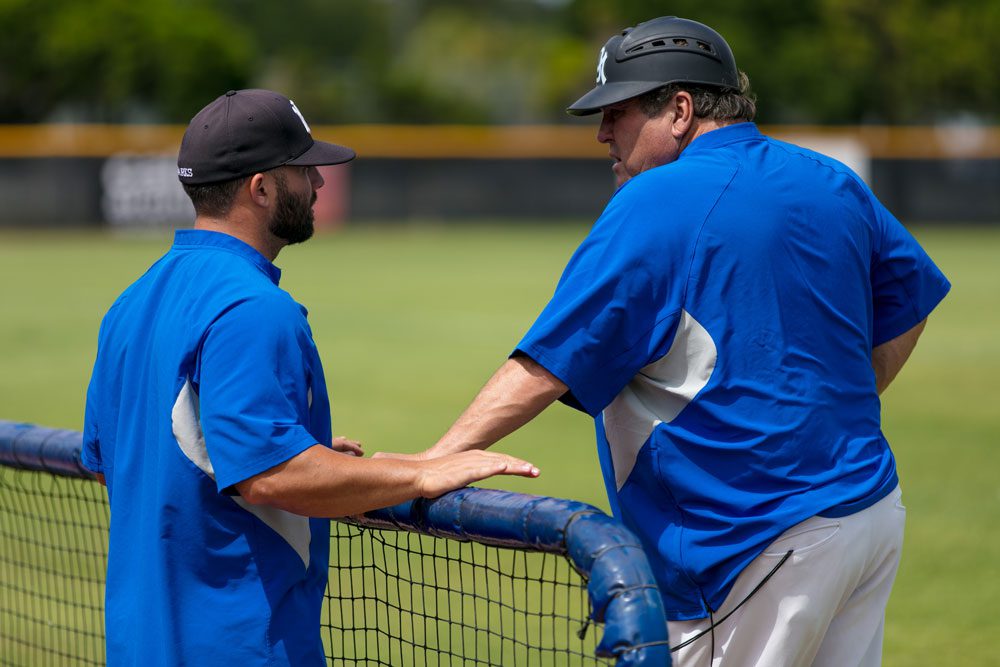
(261, 190)
(683, 113)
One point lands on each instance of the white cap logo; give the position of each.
(601, 78)
(301, 117)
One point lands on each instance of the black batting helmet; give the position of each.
(652, 54)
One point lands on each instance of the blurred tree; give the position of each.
(330, 57)
(463, 63)
(829, 61)
(841, 61)
(115, 60)
(914, 60)
(415, 60)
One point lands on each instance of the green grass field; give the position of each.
(411, 320)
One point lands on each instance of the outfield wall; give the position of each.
(123, 176)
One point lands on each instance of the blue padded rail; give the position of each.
(51, 450)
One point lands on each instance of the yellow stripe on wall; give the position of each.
(485, 142)
(65, 140)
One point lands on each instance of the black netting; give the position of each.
(53, 545)
(400, 598)
(394, 597)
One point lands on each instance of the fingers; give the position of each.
(347, 446)
(515, 466)
(451, 472)
(488, 464)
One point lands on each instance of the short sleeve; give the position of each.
(616, 306)
(253, 385)
(90, 454)
(906, 284)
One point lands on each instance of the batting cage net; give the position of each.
(475, 577)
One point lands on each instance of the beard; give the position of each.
(293, 215)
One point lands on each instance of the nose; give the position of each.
(604, 132)
(315, 178)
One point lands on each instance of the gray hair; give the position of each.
(710, 102)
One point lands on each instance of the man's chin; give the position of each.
(300, 235)
(297, 234)
(620, 174)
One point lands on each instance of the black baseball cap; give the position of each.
(248, 131)
(651, 55)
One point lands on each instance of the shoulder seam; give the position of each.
(701, 229)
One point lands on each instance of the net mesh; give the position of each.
(394, 597)
(53, 541)
(399, 598)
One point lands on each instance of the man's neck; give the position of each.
(252, 234)
(700, 127)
